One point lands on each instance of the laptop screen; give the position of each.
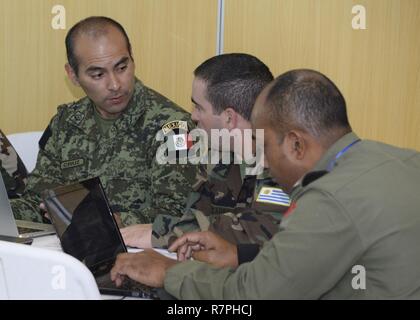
(84, 222)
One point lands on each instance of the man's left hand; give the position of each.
(207, 247)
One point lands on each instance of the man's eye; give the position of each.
(97, 75)
(122, 68)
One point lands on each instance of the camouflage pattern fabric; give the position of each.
(225, 202)
(73, 149)
(12, 169)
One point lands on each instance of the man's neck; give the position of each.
(105, 115)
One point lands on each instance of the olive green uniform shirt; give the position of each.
(364, 213)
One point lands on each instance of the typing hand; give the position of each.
(147, 267)
(207, 247)
(138, 235)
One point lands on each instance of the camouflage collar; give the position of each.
(83, 116)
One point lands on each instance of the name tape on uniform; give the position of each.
(72, 163)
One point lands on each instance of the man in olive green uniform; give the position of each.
(111, 133)
(353, 226)
(225, 199)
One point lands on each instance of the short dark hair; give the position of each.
(234, 80)
(95, 26)
(307, 100)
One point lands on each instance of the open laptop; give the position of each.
(88, 231)
(18, 228)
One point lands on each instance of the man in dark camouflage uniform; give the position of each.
(225, 199)
(110, 133)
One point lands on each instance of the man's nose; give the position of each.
(114, 83)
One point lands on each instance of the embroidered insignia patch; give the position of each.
(273, 196)
(180, 141)
(176, 124)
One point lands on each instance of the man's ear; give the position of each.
(296, 144)
(72, 75)
(230, 118)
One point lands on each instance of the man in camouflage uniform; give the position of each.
(225, 199)
(12, 169)
(111, 133)
(228, 203)
(353, 228)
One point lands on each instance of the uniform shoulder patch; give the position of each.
(178, 135)
(173, 125)
(273, 196)
(77, 117)
(180, 142)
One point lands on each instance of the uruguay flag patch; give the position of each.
(274, 196)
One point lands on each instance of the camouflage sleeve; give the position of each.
(241, 225)
(45, 175)
(166, 228)
(246, 227)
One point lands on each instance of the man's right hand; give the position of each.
(137, 235)
(207, 247)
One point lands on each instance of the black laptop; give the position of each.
(88, 231)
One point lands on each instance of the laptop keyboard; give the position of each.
(132, 285)
(129, 286)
